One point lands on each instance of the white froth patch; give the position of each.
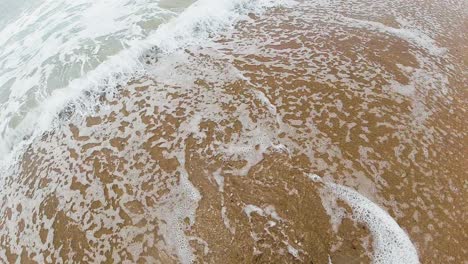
(220, 182)
(403, 89)
(391, 244)
(268, 210)
(293, 251)
(250, 208)
(194, 26)
(413, 36)
(271, 107)
(180, 204)
(226, 221)
(271, 211)
(64, 47)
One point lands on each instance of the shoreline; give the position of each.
(206, 157)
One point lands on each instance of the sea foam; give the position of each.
(391, 244)
(194, 26)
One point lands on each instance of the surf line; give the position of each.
(391, 244)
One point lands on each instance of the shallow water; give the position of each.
(46, 45)
(204, 148)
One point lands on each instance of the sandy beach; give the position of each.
(316, 132)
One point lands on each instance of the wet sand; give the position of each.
(207, 156)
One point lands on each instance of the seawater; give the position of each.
(140, 131)
(46, 45)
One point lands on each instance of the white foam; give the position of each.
(250, 208)
(219, 180)
(59, 41)
(412, 35)
(268, 210)
(293, 251)
(391, 244)
(193, 27)
(179, 205)
(226, 221)
(403, 89)
(175, 210)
